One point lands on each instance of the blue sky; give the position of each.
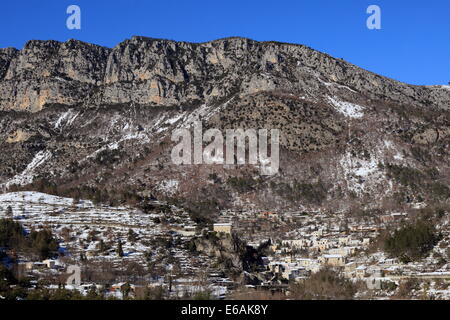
(413, 45)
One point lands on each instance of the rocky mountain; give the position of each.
(77, 118)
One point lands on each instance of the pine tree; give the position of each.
(132, 236)
(126, 288)
(9, 212)
(101, 246)
(119, 249)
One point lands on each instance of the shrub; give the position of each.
(11, 234)
(439, 190)
(314, 193)
(43, 243)
(412, 241)
(202, 212)
(326, 284)
(40, 243)
(242, 184)
(405, 175)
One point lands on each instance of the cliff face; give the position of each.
(166, 73)
(86, 117)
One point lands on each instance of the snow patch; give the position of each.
(348, 109)
(27, 176)
(359, 167)
(390, 146)
(163, 123)
(360, 174)
(140, 136)
(398, 156)
(168, 186)
(334, 84)
(68, 117)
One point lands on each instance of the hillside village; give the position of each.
(159, 252)
(318, 240)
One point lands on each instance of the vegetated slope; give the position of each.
(79, 119)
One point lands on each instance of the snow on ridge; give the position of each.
(444, 86)
(68, 117)
(140, 136)
(163, 123)
(185, 119)
(334, 84)
(203, 113)
(348, 109)
(27, 176)
(174, 119)
(71, 120)
(61, 119)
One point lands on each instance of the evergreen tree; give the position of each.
(101, 246)
(413, 241)
(132, 236)
(126, 288)
(119, 249)
(9, 212)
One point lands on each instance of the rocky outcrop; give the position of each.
(223, 249)
(158, 72)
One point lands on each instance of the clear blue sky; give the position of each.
(413, 45)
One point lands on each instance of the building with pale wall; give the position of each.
(333, 260)
(223, 227)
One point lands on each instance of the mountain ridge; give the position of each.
(86, 121)
(174, 69)
(147, 38)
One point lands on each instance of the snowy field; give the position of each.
(37, 210)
